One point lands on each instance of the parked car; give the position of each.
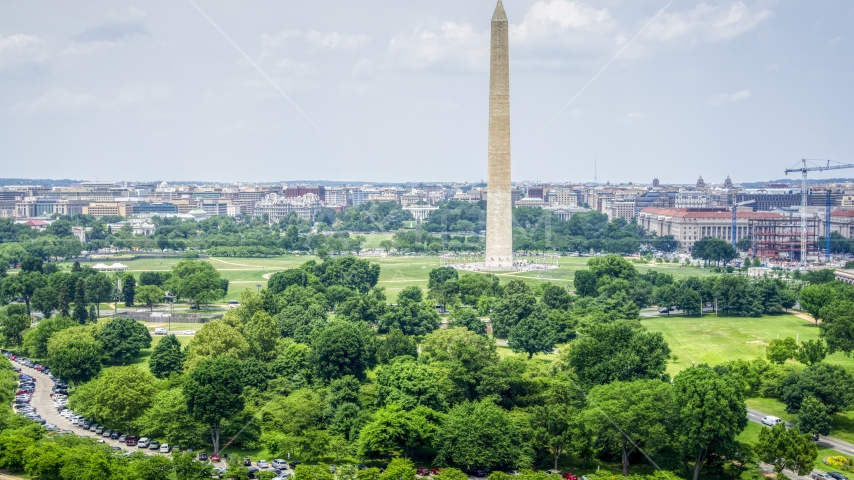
(569, 476)
(189, 332)
(771, 420)
(115, 436)
(215, 457)
(279, 463)
(108, 434)
(154, 445)
(837, 476)
(203, 456)
(164, 448)
(122, 438)
(130, 441)
(816, 475)
(99, 430)
(423, 472)
(264, 464)
(142, 442)
(247, 461)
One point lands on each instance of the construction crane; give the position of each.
(804, 169)
(734, 209)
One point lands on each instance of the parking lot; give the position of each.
(43, 402)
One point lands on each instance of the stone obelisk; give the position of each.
(499, 218)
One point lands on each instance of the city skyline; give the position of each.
(718, 88)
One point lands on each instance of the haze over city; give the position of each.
(397, 91)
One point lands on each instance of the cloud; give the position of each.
(556, 24)
(335, 40)
(278, 39)
(561, 22)
(723, 98)
(706, 23)
(327, 40)
(453, 45)
(20, 50)
(111, 32)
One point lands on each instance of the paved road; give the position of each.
(43, 403)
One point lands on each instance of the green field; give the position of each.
(397, 272)
(717, 339)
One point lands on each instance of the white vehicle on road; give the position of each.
(189, 332)
(160, 331)
(771, 420)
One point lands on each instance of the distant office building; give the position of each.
(766, 199)
(620, 209)
(562, 196)
(102, 209)
(536, 191)
(655, 183)
(277, 207)
(336, 196)
(689, 225)
(295, 191)
(530, 202)
(159, 208)
(692, 199)
(213, 207)
(361, 195)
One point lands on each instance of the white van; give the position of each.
(771, 421)
(160, 331)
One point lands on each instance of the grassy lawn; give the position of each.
(398, 272)
(715, 340)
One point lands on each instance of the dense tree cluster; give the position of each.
(321, 366)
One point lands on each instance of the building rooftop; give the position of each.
(706, 213)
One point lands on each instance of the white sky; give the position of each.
(116, 90)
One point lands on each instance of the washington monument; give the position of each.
(499, 227)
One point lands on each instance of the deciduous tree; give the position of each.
(74, 355)
(340, 350)
(534, 334)
(711, 412)
(622, 350)
(148, 295)
(629, 414)
(167, 357)
(123, 338)
(786, 449)
(478, 435)
(214, 391)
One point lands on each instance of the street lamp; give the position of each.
(259, 287)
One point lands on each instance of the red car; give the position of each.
(569, 476)
(215, 457)
(423, 471)
(435, 471)
(130, 441)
